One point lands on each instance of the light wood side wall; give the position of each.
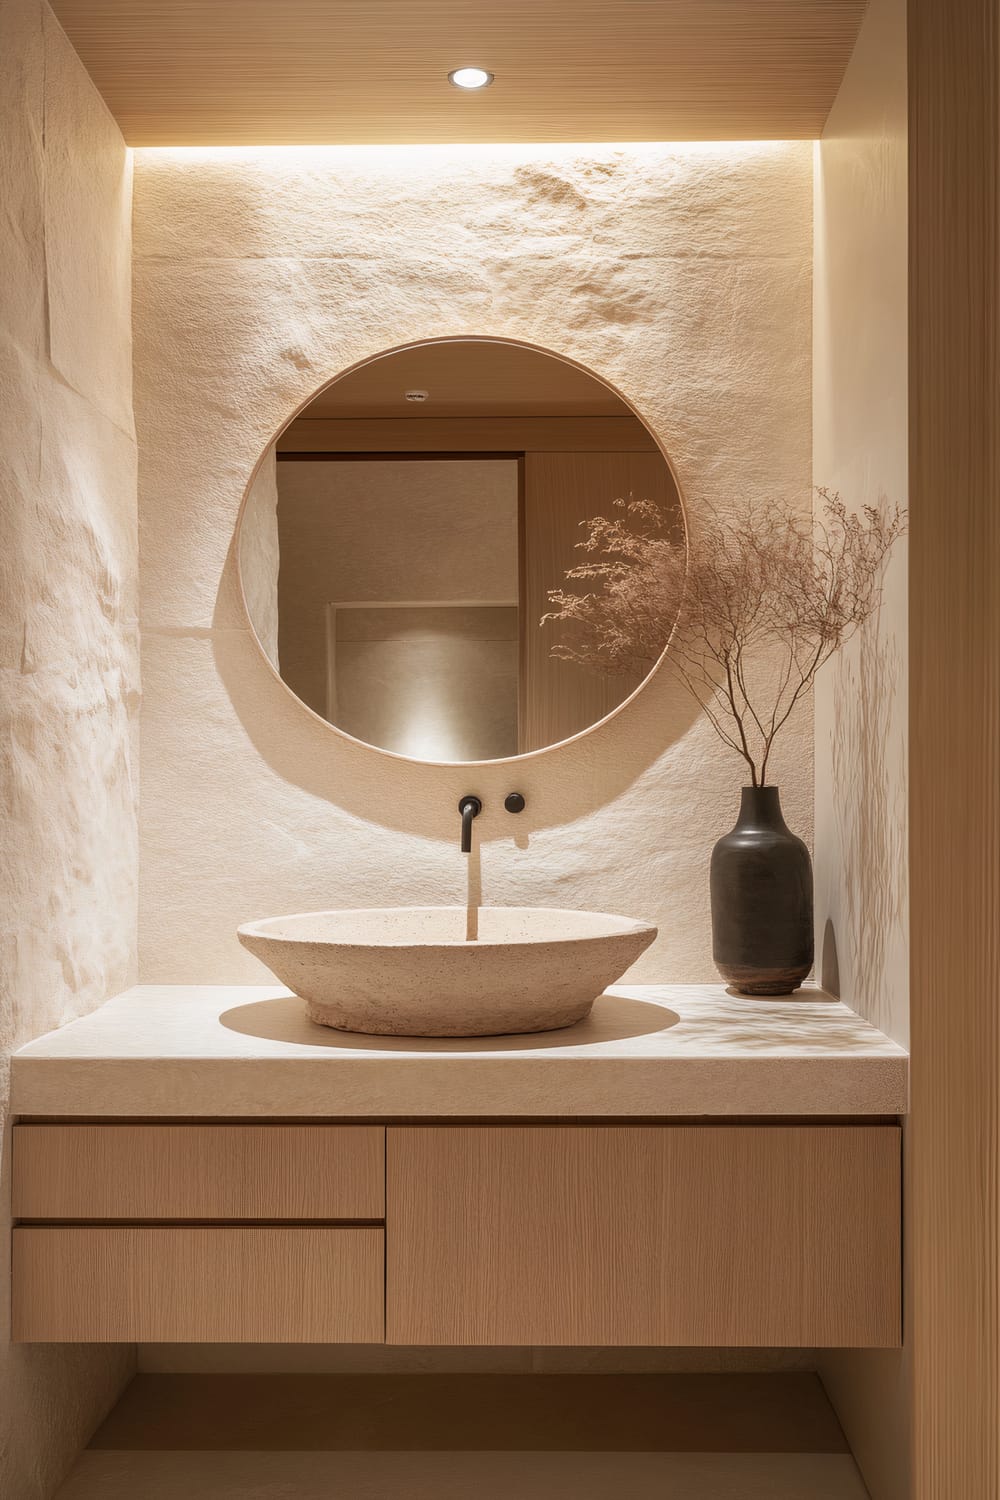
(954, 72)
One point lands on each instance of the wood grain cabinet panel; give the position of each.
(199, 1172)
(197, 1284)
(665, 1235)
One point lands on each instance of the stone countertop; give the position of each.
(646, 1050)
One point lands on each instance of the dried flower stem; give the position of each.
(752, 607)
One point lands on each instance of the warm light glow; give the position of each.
(375, 158)
(470, 78)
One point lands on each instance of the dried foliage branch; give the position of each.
(752, 606)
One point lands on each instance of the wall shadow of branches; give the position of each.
(869, 774)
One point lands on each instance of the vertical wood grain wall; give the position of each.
(955, 743)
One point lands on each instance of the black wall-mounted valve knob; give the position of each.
(514, 802)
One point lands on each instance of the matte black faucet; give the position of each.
(470, 807)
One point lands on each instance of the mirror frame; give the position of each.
(463, 338)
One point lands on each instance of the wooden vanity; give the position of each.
(676, 1228)
(458, 1234)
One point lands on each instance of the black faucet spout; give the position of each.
(470, 807)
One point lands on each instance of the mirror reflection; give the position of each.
(400, 540)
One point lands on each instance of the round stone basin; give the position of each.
(448, 970)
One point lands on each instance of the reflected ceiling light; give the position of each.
(416, 395)
(470, 78)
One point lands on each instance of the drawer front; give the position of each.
(197, 1284)
(665, 1235)
(199, 1172)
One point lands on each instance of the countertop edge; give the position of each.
(490, 1088)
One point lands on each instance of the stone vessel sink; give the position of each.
(446, 970)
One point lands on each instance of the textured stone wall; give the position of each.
(681, 274)
(860, 434)
(68, 633)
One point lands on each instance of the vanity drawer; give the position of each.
(199, 1172)
(660, 1235)
(197, 1284)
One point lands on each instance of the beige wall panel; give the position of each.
(426, 681)
(693, 1236)
(194, 1283)
(370, 623)
(381, 531)
(860, 448)
(198, 1172)
(464, 434)
(562, 491)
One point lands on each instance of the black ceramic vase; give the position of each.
(762, 900)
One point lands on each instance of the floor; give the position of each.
(447, 1437)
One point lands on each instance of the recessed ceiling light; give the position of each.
(470, 78)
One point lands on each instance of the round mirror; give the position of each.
(401, 539)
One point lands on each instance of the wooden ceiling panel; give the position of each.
(284, 72)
